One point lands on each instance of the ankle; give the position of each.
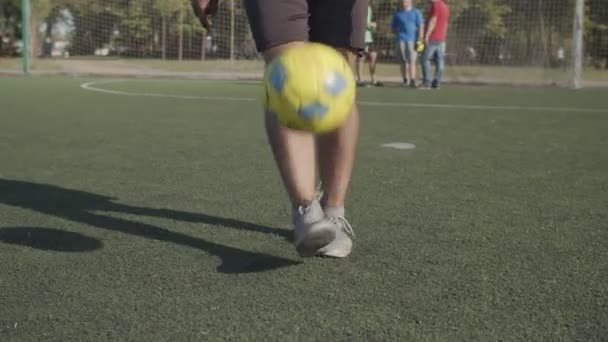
(334, 211)
(302, 204)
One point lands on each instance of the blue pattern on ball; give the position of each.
(313, 110)
(335, 83)
(278, 76)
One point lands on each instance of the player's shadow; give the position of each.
(49, 239)
(84, 207)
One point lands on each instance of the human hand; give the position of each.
(203, 9)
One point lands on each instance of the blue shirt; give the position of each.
(406, 24)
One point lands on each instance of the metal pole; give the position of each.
(232, 29)
(577, 45)
(25, 36)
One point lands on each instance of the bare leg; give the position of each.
(413, 71)
(336, 152)
(360, 61)
(373, 57)
(408, 68)
(336, 159)
(403, 71)
(294, 151)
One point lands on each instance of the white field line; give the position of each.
(483, 107)
(94, 86)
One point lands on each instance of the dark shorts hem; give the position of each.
(338, 23)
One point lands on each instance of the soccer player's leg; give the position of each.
(373, 59)
(294, 151)
(440, 65)
(425, 62)
(413, 57)
(360, 60)
(336, 153)
(402, 57)
(407, 53)
(340, 24)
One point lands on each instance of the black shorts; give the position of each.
(338, 23)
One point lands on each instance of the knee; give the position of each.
(373, 56)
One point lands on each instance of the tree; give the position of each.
(167, 9)
(40, 9)
(94, 23)
(596, 33)
(481, 25)
(136, 27)
(10, 26)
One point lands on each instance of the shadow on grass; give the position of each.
(83, 207)
(49, 239)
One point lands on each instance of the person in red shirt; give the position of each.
(436, 33)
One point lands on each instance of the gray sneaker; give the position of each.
(312, 229)
(342, 245)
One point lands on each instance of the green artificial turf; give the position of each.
(163, 218)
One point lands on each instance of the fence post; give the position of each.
(25, 36)
(578, 46)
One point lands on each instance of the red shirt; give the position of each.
(440, 10)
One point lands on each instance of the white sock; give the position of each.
(334, 211)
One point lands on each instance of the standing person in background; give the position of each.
(408, 27)
(435, 38)
(370, 55)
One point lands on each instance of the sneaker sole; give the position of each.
(334, 254)
(310, 246)
(341, 247)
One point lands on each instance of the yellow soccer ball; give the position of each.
(420, 46)
(310, 87)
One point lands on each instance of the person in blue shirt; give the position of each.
(408, 26)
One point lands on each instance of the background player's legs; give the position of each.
(336, 152)
(402, 57)
(440, 60)
(425, 62)
(412, 56)
(412, 67)
(403, 67)
(373, 58)
(294, 151)
(408, 69)
(360, 61)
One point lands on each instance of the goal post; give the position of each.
(25, 23)
(577, 45)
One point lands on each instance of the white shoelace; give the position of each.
(341, 222)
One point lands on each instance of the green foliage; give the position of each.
(167, 8)
(136, 23)
(41, 8)
(597, 32)
(10, 28)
